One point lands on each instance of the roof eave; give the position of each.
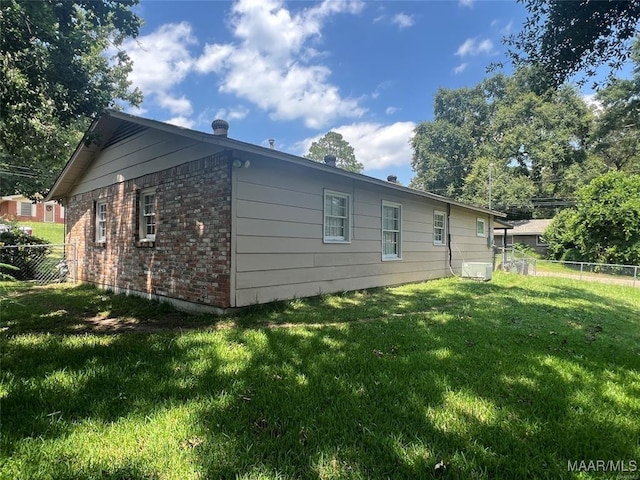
(230, 143)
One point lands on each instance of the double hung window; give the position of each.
(147, 215)
(439, 228)
(391, 231)
(101, 221)
(337, 217)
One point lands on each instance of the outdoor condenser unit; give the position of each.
(477, 270)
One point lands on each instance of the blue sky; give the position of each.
(293, 71)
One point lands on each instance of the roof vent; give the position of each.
(272, 143)
(330, 160)
(220, 127)
(392, 179)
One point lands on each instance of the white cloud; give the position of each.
(213, 58)
(181, 121)
(403, 20)
(460, 68)
(474, 46)
(466, 3)
(161, 59)
(178, 106)
(507, 29)
(236, 113)
(375, 145)
(391, 110)
(269, 65)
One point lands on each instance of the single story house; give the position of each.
(525, 232)
(209, 222)
(22, 209)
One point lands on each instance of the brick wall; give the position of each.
(190, 258)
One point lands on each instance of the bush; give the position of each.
(22, 256)
(605, 225)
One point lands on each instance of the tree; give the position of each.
(616, 138)
(528, 140)
(568, 37)
(334, 144)
(56, 75)
(443, 155)
(605, 225)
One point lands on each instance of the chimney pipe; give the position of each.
(392, 179)
(220, 127)
(272, 143)
(330, 160)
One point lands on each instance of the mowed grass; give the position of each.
(449, 379)
(51, 232)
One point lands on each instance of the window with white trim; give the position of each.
(101, 221)
(148, 215)
(337, 217)
(481, 227)
(439, 228)
(391, 231)
(26, 209)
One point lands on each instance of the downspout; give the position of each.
(449, 238)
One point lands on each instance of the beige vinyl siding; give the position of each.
(466, 246)
(278, 246)
(146, 152)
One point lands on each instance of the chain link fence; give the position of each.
(518, 262)
(41, 264)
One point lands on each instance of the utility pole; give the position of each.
(490, 181)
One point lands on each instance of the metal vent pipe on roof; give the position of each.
(220, 127)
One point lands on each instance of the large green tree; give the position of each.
(616, 138)
(503, 129)
(334, 144)
(55, 74)
(605, 225)
(568, 37)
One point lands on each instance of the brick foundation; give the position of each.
(190, 258)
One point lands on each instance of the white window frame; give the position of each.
(32, 208)
(147, 217)
(483, 222)
(398, 254)
(346, 238)
(101, 221)
(443, 229)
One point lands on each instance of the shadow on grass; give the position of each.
(475, 380)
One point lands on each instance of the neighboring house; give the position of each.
(525, 232)
(208, 221)
(19, 208)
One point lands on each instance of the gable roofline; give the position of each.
(530, 227)
(83, 155)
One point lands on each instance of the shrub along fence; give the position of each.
(46, 263)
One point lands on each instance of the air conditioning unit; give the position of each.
(477, 270)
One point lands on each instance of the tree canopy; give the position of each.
(616, 137)
(526, 142)
(568, 37)
(605, 225)
(55, 75)
(334, 144)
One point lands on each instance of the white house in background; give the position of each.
(212, 222)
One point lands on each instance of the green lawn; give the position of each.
(510, 379)
(52, 232)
